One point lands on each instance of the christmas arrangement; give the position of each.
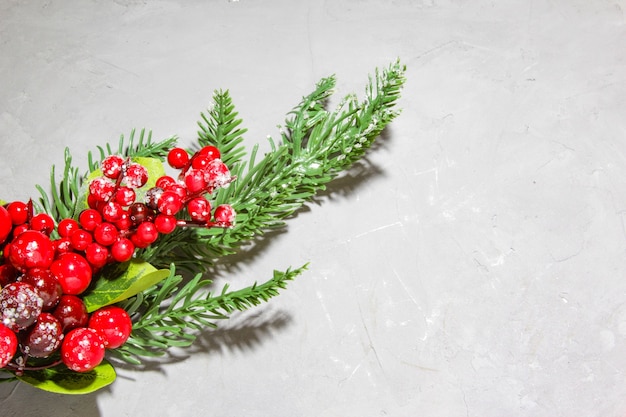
(111, 264)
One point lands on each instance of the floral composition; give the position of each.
(111, 264)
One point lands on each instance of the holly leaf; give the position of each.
(62, 380)
(111, 288)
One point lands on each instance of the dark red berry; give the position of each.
(44, 337)
(71, 312)
(140, 213)
(20, 305)
(8, 274)
(82, 349)
(46, 285)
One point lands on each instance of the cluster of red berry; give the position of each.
(46, 266)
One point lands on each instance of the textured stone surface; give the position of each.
(474, 266)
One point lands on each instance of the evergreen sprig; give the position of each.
(316, 145)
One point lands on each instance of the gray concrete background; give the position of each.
(474, 266)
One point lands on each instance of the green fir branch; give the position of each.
(174, 312)
(317, 145)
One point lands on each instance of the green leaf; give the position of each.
(62, 380)
(113, 288)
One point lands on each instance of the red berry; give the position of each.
(114, 323)
(177, 158)
(111, 211)
(210, 151)
(46, 285)
(165, 224)
(71, 312)
(105, 234)
(147, 232)
(82, 349)
(199, 209)
(101, 189)
(125, 196)
(170, 203)
(224, 215)
(6, 224)
(97, 255)
(165, 182)
(112, 166)
(62, 245)
(136, 176)
(8, 274)
(195, 180)
(140, 213)
(122, 250)
(73, 272)
(89, 219)
(43, 223)
(19, 212)
(124, 223)
(217, 174)
(67, 226)
(8, 345)
(20, 305)
(201, 161)
(31, 249)
(80, 239)
(44, 337)
(179, 190)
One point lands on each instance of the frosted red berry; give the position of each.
(111, 166)
(125, 196)
(8, 345)
(224, 215)
(114, 323)
(170, 203)
(45, 284)
(111, 211)
(82, 349)
(101, 189)
(20, 305)
(44, 337)
(136, 176)
(199, 209)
